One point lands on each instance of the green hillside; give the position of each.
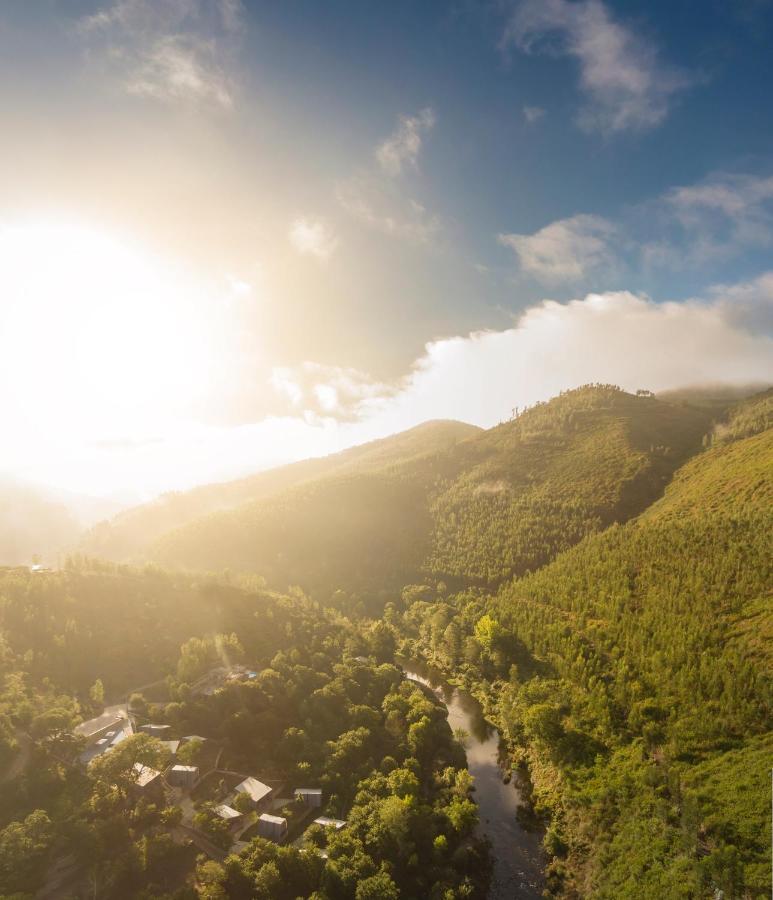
(634, 674)
(501, 503)
(127, 536)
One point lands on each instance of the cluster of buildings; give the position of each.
(108, 730)
(260, 800)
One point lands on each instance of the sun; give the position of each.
(99, 337)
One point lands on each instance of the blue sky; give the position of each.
(334, 200)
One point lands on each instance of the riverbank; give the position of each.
(518, 857)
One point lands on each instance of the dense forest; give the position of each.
(596, 571)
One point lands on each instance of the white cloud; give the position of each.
(566, 250)
(317, 390)
(173, 51)
(725, 213)
(627, 86)
(533, 114)
(181, 69)
(614, 337)
(313, 237)
(748, 305)
(384, 208)
(401, 149)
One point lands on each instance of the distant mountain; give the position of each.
(129, 535)
(41, 523)
(502, 502)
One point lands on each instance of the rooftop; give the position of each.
(327, 822)
(106, 720)
(256, 789)
(227, 812)
(144, 775)
(275, 820)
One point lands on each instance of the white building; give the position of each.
(258, 792)
(327, 822)
(310, 796)
(272, 827)
(146, 780)
(183, 776)
(230, 815)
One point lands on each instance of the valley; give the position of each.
(588, 583)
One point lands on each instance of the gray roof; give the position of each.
(327, 822)
(256, 789)
(227, 812)
(144, 774)
(103, 721)
(275, 820)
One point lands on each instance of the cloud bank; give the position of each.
(614, 337)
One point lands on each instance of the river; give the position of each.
(518, 857)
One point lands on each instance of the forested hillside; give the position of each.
(633, 673)
(326, 706)
(128, 536)
(501, 503)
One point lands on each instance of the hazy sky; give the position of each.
(238, 233)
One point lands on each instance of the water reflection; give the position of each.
(518, 857)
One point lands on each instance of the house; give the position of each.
(183, 776)
(272, 827)
(310, 796)
(97, 728)
(147, 781)
(159, 731)
(192, 737)
(171, 747)
(230, 815)
(259, 793)
(327, 822)
(105, 741)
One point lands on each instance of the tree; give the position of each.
(377, 887)
(23, 848)
(118, 765)
(97, 693)
(487, 632)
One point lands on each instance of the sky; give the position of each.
(236, 234)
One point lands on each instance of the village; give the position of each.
(247, 806)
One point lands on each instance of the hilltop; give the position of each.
(499, 503)
(128, 535)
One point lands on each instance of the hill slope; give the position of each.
(128, 535)
(40, 523)
(656, 646)
(501, 503)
